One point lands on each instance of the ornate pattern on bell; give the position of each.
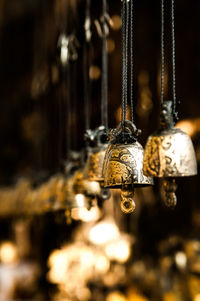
(123, 164)
(96, 153)
(169, 153)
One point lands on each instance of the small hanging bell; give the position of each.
(169, 153)
(93, 170)
(73, 199)
(123, 164)
(82, 186)
(96, 153)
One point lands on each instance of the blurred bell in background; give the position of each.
(63, 236)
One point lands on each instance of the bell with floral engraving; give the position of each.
(123, 164)
(169, 153)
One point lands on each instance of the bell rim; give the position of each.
(173, 176)
(135, 185)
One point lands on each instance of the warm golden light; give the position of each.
(94, 72)
(8, 252)
(86, 215)
(116, 296)
(80, 199)
(110, 45)
(181, 259)
(197, 297)
(187, 126)
(117, 22)
(74, 265)
(118, 250)
(104, 232)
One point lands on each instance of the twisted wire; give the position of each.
(162, 50)
(173, 60)
(126, 59)
(131, 61)
(86, 66)
(104, 82)
(123, 58)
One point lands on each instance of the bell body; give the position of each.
(123, 165)
(83, 186)
(169, 153)
(73, 200)
(93, 170)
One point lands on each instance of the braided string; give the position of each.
(162, 51)
(104, 82)
(123, 14)
(125, 35)
(175, 113)
(131, 61)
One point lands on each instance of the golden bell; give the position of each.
(73, 199)
(123, 164)
(94, 164)
(83, 186)
(169, 153)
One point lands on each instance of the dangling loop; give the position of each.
(170, 188)
(127, 202)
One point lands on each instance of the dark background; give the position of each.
(35, 93)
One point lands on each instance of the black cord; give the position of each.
(86, 68)
(123, 58)
(104, 81)
(125, 35)
(131, 61)
(126, 58)
(162, 50)
(175, 113)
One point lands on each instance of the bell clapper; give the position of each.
(127, 202)
(170, 187)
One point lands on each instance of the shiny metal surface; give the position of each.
(94, 164)
(123, 165)
(83, 186)
(169, 153)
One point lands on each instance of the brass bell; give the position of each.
(123, 164)
(169, 153)
(93, 171)
(73, 199)
(96, 153)
(83, 186)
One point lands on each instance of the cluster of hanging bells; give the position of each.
(122, 163)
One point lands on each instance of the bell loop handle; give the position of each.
(126, 132)
(166, 116)
(96, 137)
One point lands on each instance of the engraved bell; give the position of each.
(96, 153)
(123, 164)
(169, 153)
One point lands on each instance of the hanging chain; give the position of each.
(104, 82)
(125, 35)
(126, 56)
(131, 61)
(123, 58)
(175, 114)
(162, 49)
(86, 64)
